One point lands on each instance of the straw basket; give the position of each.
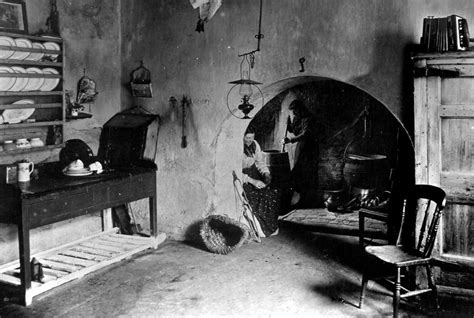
(222, 234)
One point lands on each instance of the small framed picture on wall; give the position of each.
(13, 16)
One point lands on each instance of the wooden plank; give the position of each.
(35, 124)
(462, 69)
(102, 247)
(458, 231)
(457, 91)
(111, 242)
(458, 185)
(9, 279)
(53, 272)
(71, 260)
(19, 106)
(457, 150)
(48, 278)
(13, 280)
(449, 290)
(59, 266)
(433, 133)
(421, 129)
(83, 255)
(457, 111)
(134, 239)
(450, 63)
(92, 251)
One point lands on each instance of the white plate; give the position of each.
(16, 115)
(20, 82)
(6, 82)
(77, 173)
(6, 41)
(49, 83)
(54, 47)
(24, 43)
(36, 56)
(34, 83)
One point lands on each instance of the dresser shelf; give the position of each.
(49, 114)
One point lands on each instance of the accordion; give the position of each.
(445, 34)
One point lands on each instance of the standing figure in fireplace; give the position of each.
(304, 175)
(264, 199)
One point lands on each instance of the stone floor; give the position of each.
(298, 273)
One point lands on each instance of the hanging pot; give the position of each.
(362, 164)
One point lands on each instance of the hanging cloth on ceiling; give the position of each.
(207, 9)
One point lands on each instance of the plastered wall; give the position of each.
(364, 43)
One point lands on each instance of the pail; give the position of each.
(279, 166)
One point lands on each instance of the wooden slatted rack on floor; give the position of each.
(76, 259)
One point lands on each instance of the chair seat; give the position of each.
(396, 255)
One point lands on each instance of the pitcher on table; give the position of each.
(25, 168)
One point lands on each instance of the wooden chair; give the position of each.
(422, 209)
(364, 214)
(385, 214)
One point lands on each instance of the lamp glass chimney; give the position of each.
(245, 89)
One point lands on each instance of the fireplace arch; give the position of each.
(337, 105)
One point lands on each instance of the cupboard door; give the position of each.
(457, 166)
(444, 154)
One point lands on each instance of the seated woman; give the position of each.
(264, 199)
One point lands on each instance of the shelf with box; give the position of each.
(31, 94)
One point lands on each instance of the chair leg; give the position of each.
(361, 231)
(432, 285)
(396, 293)
(363, 287)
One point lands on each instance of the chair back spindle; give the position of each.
(420, 218)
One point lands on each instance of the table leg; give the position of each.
(157, 238)
(25, 268)
(107, 223)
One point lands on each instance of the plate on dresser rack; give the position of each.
(6, 82)
(20, 82)
(17, 115)
(23, 43)
(36, 56)
(6, 41)
(34, 83)
(49, 83)
(53, 47)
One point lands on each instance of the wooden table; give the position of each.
(55, 197)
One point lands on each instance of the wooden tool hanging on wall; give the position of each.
(185, 102)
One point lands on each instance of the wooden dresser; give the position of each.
(444, 156)
(55, 197)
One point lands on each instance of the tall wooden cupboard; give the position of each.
(444, 156)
